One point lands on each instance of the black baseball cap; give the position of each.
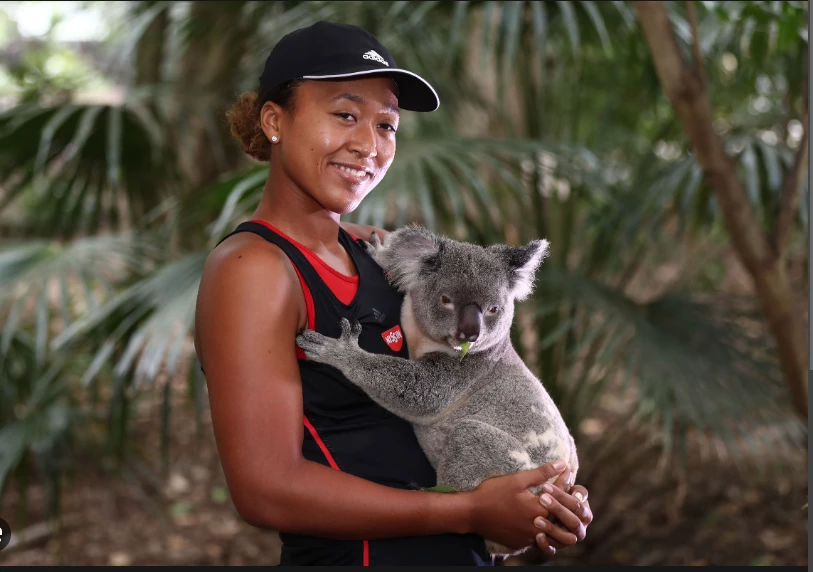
(328, 50)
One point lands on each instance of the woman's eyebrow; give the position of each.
(361, 101)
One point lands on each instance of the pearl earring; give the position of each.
(274, 139)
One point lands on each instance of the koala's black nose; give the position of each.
(468, 326)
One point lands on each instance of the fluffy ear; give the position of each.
(522, 262)
(407, 252)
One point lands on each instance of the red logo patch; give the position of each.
(394, 338)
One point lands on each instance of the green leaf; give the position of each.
(571, 25)
(598, 22)
(464, 346)
(441, 489)
(219, 494)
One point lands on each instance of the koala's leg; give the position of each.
(476, 451)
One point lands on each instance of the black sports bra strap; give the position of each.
(298, 259)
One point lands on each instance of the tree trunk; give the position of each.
(150, 48)
(206, 86)
(686, 90)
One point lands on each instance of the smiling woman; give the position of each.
(304, 451)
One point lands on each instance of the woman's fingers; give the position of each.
(576, 501)
(545, 544)
(554, 532)
(564, 508)
(563, 481)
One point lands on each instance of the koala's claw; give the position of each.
(373, 244)
(350, 332)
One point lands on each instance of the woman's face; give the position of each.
(339, 140)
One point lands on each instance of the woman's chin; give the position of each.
(342, 203)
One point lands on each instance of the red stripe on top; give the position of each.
(309, 310)
(343, 287)
(321, 444)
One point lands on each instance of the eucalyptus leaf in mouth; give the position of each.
(465, 347)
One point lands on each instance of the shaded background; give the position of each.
(661, 148)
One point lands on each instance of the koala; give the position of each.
(478, 417)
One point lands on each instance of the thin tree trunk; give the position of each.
(686, 90)
(207, 84)
(150, 48)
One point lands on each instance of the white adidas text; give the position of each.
(373, 55)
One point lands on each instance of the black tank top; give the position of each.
(348, 431)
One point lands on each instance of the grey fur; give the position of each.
(485, 415)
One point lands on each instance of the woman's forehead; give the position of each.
(379, 91)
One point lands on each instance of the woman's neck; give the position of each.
(300, 217)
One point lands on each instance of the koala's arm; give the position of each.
(414, 390)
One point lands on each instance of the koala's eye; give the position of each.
(493, 309)
(446, 301)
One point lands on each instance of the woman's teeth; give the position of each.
(352, 171)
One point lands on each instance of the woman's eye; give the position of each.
(494, 309)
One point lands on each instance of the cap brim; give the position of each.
(414, 92)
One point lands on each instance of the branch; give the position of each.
(698, 56)
(794, 183)
(690, 100)
(691, 103)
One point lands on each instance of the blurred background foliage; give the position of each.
(118, 175)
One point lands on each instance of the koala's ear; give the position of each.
(407, 252)
(522, 262)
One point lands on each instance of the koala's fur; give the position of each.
(485, 415)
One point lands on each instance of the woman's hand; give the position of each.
(503, 509)
(568, 518)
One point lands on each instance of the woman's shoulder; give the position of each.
(245, 253)
(245, 276)
(246, 262)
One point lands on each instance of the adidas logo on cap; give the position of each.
(373, 55)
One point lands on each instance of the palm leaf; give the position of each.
(71, 162)
(694, 366)
(148, 322)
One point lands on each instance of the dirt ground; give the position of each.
(186, 518)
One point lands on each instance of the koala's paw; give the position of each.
(374, 245)
(350, 332)
(331, 351)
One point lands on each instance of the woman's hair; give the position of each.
(244, 117)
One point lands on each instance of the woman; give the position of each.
(305, 452)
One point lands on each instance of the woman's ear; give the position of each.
(271, 119)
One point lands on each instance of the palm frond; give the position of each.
(144, 327)
(694, 364)
(34, 409)
(79, 167)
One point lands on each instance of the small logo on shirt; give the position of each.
(379, 316)
(373, 55)
(394, 338)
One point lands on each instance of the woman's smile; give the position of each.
(355, 174)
